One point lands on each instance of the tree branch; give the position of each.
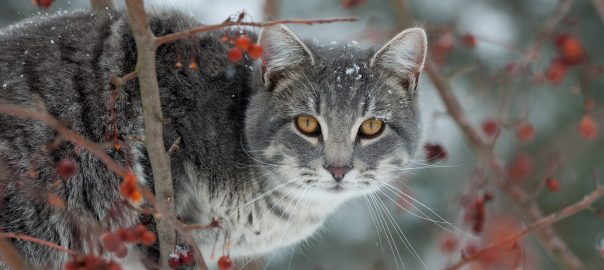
(153, 120)
(548, 220)
(66, 133)
(11, 257)
(599, 6)
(207, 28)
(531, 210)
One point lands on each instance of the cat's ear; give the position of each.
(403, 56)
(283, 51)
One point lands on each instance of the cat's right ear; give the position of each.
(282, 51)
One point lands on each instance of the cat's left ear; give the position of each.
(404, 57)
(283, 51)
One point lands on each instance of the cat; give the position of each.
(272, 146)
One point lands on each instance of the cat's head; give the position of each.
(335, 120)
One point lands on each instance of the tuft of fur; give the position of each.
(240, 157)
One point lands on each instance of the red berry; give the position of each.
(127, 235)
(443, 46)
(434, 152)
(174, 261)
(235, 55)
(43, 3)
(490, 127)
(525, 131)
(187, 258)
(448, 244)
(570, 49)
(469, 40)
(225, 263)
(521, 168)
(66, 168)
(113, 266)
(111, 241)
(255, 51)
(556, 71)
(552, 184)
(242, 42)
(351, 3)
(147, 238)
(588, 128)
(121, 252)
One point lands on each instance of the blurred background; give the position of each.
(537, 105)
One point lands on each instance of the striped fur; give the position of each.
(239, 158)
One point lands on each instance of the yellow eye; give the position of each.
(308, 125)
(371, 128)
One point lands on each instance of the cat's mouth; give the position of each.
(336, 188)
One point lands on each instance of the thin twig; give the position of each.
(174, 146)
(11, 257)
(207, 28)
(548, 220)
(118, 81)
(38, 241)
(599, 6)
(66, 133)
(547, 236)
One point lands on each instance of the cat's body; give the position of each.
(240, 157)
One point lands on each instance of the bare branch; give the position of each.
(547, 236)
(11, 257)
(66, 133)
(207, 28)
(548, 220)
(38, 241)
(153, 119)
(599, 6)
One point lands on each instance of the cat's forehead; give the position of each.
(343, 74)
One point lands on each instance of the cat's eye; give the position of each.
(371, 128)
(308, 125)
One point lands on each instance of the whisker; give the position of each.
(391, 240)
(424, 216)
(444, 221)
(268, 192)
(373, 220)
(401, 234)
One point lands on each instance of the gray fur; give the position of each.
(240, 157)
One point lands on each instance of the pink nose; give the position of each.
(338, 172)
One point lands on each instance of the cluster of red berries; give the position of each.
(42, 3)
(242, 44)
(129, 189)
(115, 242)
(90, 262)
(434, 152)
(570, 53)
(446, 43)
(181, 256)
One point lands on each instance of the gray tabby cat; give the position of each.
(272, 147)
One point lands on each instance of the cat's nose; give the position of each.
(338, 172)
